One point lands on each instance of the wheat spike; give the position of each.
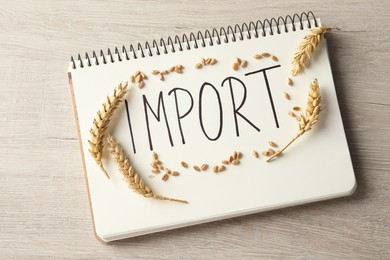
(310, 118)
(306, 48)
(134, 181)
(100, 124)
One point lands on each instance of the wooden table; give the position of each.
(44, 210)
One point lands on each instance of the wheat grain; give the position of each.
(306, 48)
(255, 154)
(286, 96)
(274, 58)
(235, 162)
(198, 65)
(165, 177)
(235, 66)
(184, 164)
(244, 63)
(310, 118)
(196, 168)
(215, 168)
(290, 82)
(291, 114)
(204, 167)
(296, 108)
(265, 54)
(141, 84)
(100, 124)
(273, 144)
(257, 56)
(132, 178)
(221, 168)
(225, 162)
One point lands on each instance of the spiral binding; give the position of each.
(199, 39)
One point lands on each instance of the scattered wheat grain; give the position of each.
(184, 164)
(204, 167)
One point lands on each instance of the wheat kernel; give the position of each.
(161, 77)
(265, 54)
(168, 171)
(155, 72)
(172, 69)
(203, 61)
(291, 114)
(296, 108)
(215, 169)
(286, 96)
(272, 144)
(136, 73)
(198, 65)
(221, 168)
(155, 170)
(175, 173)
(165, 177)
(290, 82)
(239, 155)
(184, 164)
(213, 61)
(255, 154)
(204, 167)
(141, 84)
(271, 151)
(231, 158)
(157, 161)
(235, 66)
(155, 156)
(196, 168)
(225, 162)
(235, 162)
(257, 56)
(132, 79)
(266, 153)
(274, 58)
(244, 63)
(238, 61)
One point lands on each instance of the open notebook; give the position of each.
(201, 116)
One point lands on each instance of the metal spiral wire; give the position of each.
(236, 32)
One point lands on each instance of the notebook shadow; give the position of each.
(336, 44)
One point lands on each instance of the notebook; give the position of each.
(211, 109)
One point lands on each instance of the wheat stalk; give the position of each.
(310, 118)
(134, 181)
(100, 124)
(306, 48)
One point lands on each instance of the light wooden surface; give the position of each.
(44, 211)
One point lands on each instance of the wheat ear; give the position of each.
(100, 124)
(134, 181)
(310, 118)
(306, 48)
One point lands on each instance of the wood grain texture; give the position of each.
(44, 211)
